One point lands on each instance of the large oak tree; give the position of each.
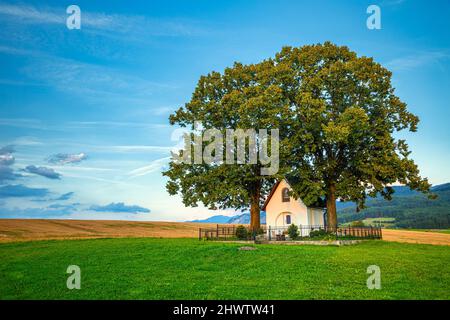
(242, 97)
(342, 118)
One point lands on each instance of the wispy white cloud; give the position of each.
(392, 2)
(30, 14)
(162, 110)
(10, 82)
(32, 123)
(103, 123)
(81, 169)
(65, 158)
(417, 60)
(105, 181)
(133, 26)
(137, 148)
(119, 148)
(22, 123)
(154, 166)
(16, 51)
(27, 141)
(93, 82)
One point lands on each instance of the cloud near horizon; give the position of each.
(119, 207)
(6, 161)
(52, 211)
(21, 191)
(65, 196)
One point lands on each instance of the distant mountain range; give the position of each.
(214, 219)
(243, 218)
(410, 209)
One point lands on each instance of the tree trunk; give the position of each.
(331, 208)
(255, 219)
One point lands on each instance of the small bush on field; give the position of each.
(241, 232)
(322, 234)
(293, 232)
(252, 234)
(358, 224)
(329, 237)
(318, 233)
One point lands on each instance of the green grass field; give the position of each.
(144, 268)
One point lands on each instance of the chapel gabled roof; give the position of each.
(320, 203)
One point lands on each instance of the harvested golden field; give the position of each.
(416, 237)
(42, 229)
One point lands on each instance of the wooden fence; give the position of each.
(217, 233)
(228, 232)
(360, 232)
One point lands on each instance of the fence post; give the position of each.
(199, 233)
(217, 232)
(270, 234)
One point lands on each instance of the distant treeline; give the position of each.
(409, 208)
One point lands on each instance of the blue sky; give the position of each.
(83, 113)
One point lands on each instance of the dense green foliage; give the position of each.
(241, 232)
(357, 223)
(337, 113)
(242, 97)
(293, 232)
(340, 127)
(190, 269)
(410, 209)
(318, 234)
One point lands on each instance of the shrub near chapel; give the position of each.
(293, 232)
(241, 233)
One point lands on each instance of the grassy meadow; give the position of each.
(149, 268)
